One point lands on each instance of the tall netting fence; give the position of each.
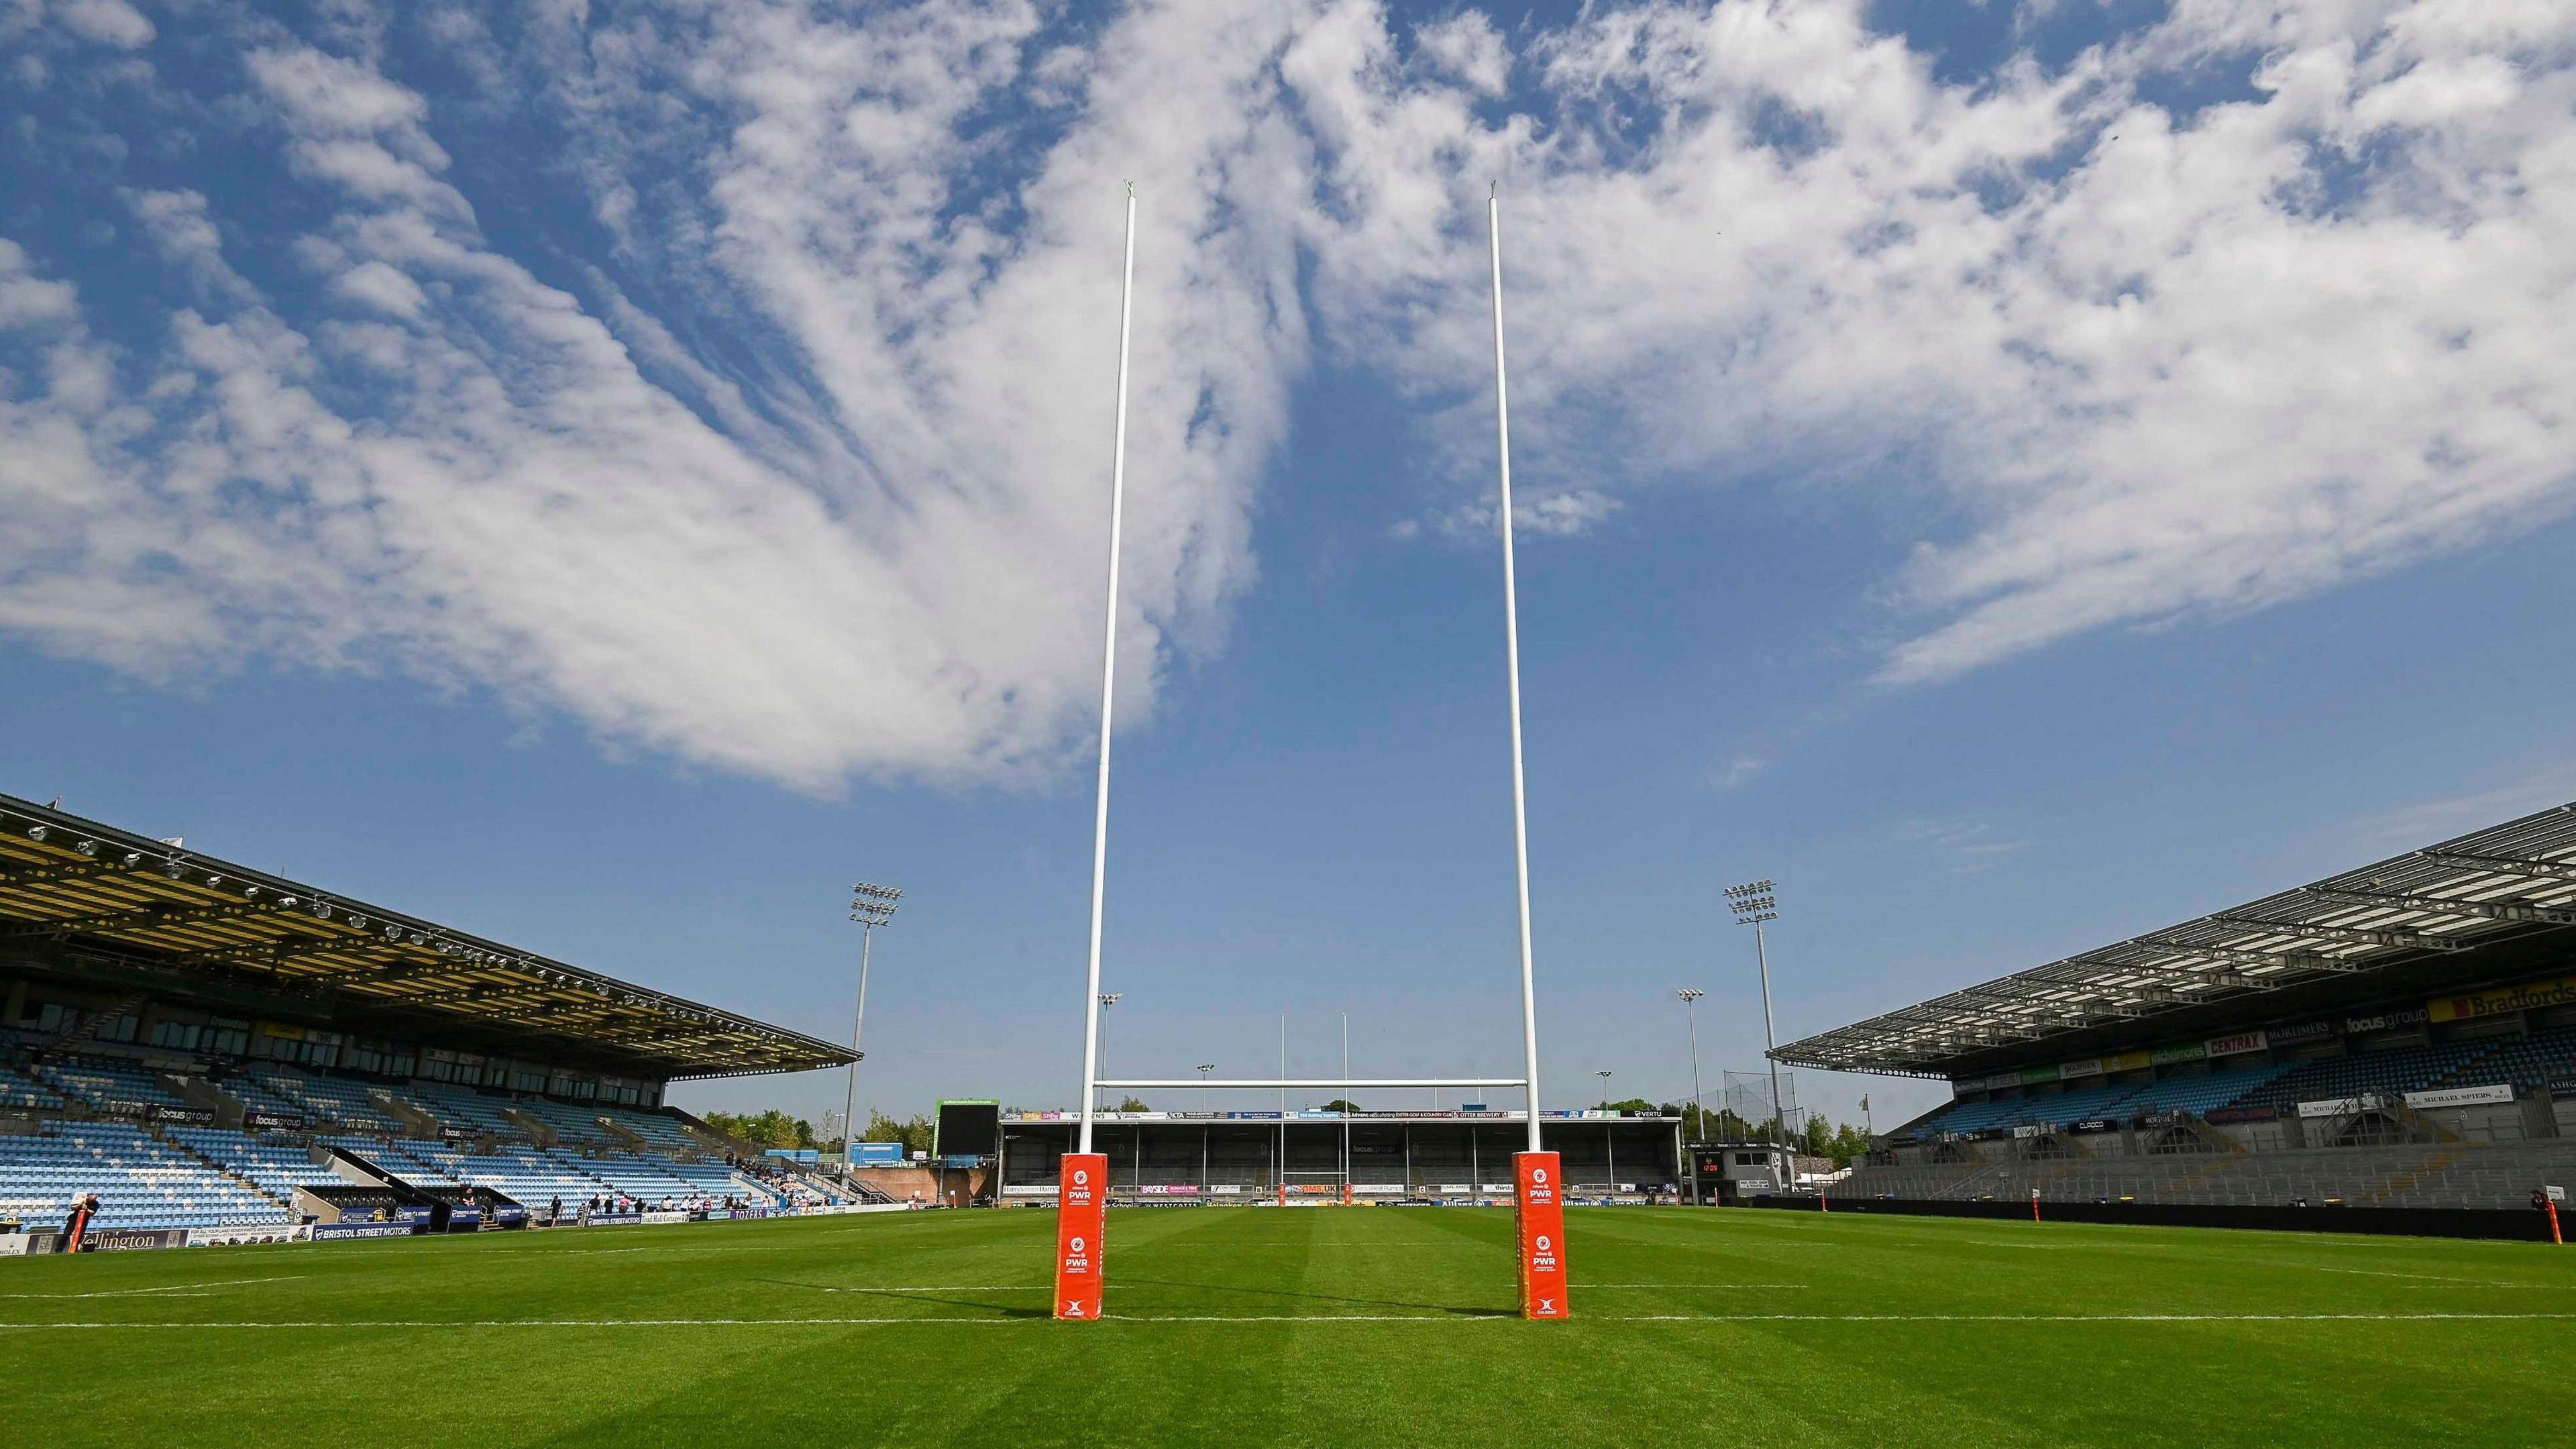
(1747, 1096)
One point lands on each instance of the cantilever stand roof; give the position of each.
(2508, 880)
(152, 913)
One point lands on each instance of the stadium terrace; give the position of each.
(217, 1053)
(2398, 1035)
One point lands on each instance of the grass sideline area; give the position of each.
(1326, 1327)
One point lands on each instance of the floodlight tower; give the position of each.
(1204, 1069)
(1690, 996)
(871, 906)
(1754, 904)
(1108, 999)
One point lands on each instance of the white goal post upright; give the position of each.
(1538, 1183)
(1512, 667)
(1083, 1186)
(1108, 679)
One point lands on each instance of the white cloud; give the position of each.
(380, 286)
(2154, 365)
(1562, 513)
(885, 562)
(2162, 365)
(1466, 47)
(108, 22)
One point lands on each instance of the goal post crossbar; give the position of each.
(1307, 1084)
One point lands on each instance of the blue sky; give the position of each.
(2017, 476)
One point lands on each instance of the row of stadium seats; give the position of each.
(2451, 1175)
(2524, 1061)
(463, 1107)
(105, 1084)
(2537, 1060)
(18, 1091)
(2393, 1070)
(277, 1168)
(328, 1099)
(140, 1182)
(531, 1177)
(535, 1176)
(2196, 1094)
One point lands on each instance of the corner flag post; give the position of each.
(1081, 1228)
(1538, 1197)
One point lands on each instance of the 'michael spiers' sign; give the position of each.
(1081, 1234)
(1539, 1210)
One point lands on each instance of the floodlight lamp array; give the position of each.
(873, 905)
(1753, 903)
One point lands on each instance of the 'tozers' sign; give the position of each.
(1081, 1223)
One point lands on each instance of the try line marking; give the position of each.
(1493, 1316)
(177, 1290)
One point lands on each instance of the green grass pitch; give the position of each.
(1325, 1327)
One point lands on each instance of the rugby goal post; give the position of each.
(1083, 1175)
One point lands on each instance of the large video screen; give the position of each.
(969, 1129)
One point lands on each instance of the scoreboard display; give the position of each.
(968, 1129)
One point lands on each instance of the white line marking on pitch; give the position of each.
(2429, 1277)
(947, 1288)
(175, 1290)
(1498, 1316)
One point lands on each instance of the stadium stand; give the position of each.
(2193, 1094)
(464, 1108)
(140, 1182)
(530, 1177)
(2535, 1061)
(2439, 1176)
(18, 1092)
(285, 1022)
(655, 1178)
(666, 1134)
(107, 1085)
(2401, 1035)
(275, 1168)
(343, 1103)
(570, 1123)
(2387, 1071)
